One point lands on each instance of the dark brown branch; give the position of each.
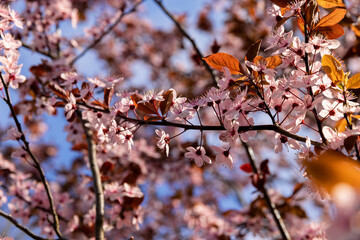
(38, 51)
(21, 227)
(271, 205)
(36, 162)
(191, 40)
(99, 195)
(106, 32)
(269, 127)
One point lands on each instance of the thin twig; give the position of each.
(38, 51)
(186, 35)
(36, 162)
(271, 205)
(106, 32)
(99, 195)
(21, 227)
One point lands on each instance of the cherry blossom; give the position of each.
(198, 155)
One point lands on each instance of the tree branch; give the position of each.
(21, 227)
(36, 162)
(106, 32)
(271, 205)
(306, 60)
(38, 51)
(275, 127)
(186, 35)
(99, 196)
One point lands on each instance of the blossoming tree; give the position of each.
(227, 148)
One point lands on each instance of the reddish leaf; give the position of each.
(246, 168)
(264, 167)
(107, 167)
(215, 47)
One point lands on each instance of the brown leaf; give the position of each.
(349, 142)
(167, 103)
(253, 50)
(215, 47)
(273, 61)
(281, 3)
(311, 15)
(331, 32)
(60, 92)
(332, 18)
(108, 93)
(330, 3)
(220, 60)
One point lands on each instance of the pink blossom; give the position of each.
(335, 139)
(70, 108)
(13, 134)
(223, 156)
(282, 140)
(198, 155)
(164, 140)
(131, 191)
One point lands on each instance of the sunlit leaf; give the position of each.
(220, 60)
(353, 82)
(331, 32)
(356, 29)
(332, 18)
(273, 61)
(330, 3)
(300, 23)
(331, 168)
(341, 125)
(332, 68)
